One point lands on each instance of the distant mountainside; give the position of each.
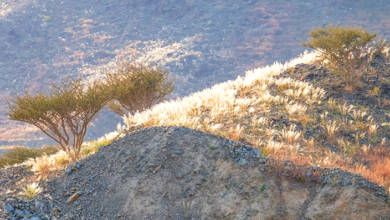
(200, 42)
(285, 141)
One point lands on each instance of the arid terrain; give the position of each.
(200, 42)
(179, 173)
(308, 138)
(284, 142)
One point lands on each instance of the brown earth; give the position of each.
(179, 173)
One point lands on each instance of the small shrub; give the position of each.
(235, 133)
(31, 191)
(137, 87)
(346, 51)
(44, 165)
(291, 136)
(20, 154)
(64, 113)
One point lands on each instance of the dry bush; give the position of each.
(291, 135)
(46, 164)
(31, 191)
(346, 51)
(137, 87)
(64, 113)
(235, 133)
(331, 128)
(378, 165)
(42, 166)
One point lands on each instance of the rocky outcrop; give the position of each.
(179, 173)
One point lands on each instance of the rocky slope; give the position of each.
(179, 173)
(206, 42)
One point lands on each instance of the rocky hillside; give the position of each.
(202, 42)
(179, 173)
(296, 111)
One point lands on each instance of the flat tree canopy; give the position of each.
(63, 113)
(136, 87)
(347, 51)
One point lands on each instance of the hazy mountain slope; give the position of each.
(47, 40)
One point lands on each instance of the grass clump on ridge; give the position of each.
(92, 147)
(46, 165)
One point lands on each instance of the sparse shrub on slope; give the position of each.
(64, 113)
(287, 119)
(346, 51)
(137, 87)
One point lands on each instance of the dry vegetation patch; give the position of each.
(287, 118)
(20, 154)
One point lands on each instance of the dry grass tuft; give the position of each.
(291, 136)
(44, 165)
(331, 129)
(235, 133)
(31, 191)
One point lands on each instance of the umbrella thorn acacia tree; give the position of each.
(347, 52)
(137, 87)
(63, 113)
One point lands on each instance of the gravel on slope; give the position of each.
(153, 168)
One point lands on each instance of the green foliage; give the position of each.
(346, 51)
(264, 152)
(20, 154)
(137, 87)
(212, 147)
(64, 113)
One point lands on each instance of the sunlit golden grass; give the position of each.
(44, 165)
(331, 129)
(287, 119)
(92, 147)
(291, 135)
(235, 133)
(30, 191)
